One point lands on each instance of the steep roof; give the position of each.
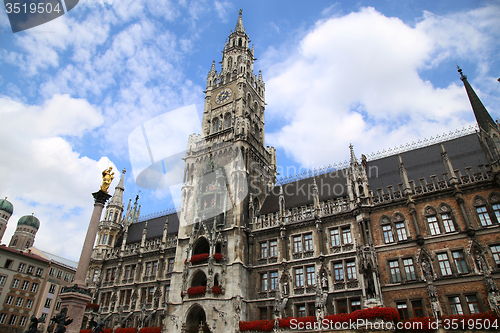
(422, 162)
(299, 193)
(426, 161)
(155, 228)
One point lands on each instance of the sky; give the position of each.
(377, 74)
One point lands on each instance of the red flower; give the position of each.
(126, 330)
(196, 291)
(257, 325)
(150, 330)
(218, 256)
(199, 257)
(216, 290)
(85, 331)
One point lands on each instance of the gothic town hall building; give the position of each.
(416, 229)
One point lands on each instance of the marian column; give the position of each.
(75, 298)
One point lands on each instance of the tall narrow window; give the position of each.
(273, 280)
(447, 222)
(418, 309)
(299, 277)
(433, 225)
(104, 239)
(495, 250)
(147, 272)
(273, 248)
(395, 272)
(496, 209)
(401, 231)
(334, 237)
(355, 305)
(455, 305)
(308, 243)
(310, 277)
(263, 313)
(409, 269)
(338, 270)
(170, 267)
(351, 270)
(346, 235)
(126, 275)
(342, 306)
(472, 304)
(263, 250)
(444, 264)
(458, 257)
(388, 237)
(403, 310)
(484, 217)
(297, 244)
(154, 270)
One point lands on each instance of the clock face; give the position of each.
(223, 96)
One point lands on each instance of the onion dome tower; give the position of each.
(24, 236)
(6, 210)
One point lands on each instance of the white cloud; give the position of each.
(363, 84)
(42, 165)
(222, 9)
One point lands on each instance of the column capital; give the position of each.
(101, 197)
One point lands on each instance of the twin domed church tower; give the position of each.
(26, 230)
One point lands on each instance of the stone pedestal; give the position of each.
(75, 302)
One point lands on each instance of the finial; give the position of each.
(462, 76)
(124, 171)
(353, 156)
(241, 10)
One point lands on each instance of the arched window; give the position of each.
(240, 43)
(215, 126)
(201, 246)
(432, 221)
(14, 243)
(229, 63)
(227, 121)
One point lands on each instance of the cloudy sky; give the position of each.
(372, 73)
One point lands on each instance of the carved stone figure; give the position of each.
(324, 280)
(370, 289)
(427, 270)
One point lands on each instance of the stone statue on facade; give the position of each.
(107, 178)
(427, 270)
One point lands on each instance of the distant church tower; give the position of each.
(228, 172)
(24, 236)
(6, 210)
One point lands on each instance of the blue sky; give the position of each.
(372, 73)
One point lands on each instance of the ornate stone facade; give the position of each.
(416, 229)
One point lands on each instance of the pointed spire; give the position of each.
(353, 156)
(483, 118)
(117, 198)
(212, 70)
(260, 75)
(239, 24)
(404, 176)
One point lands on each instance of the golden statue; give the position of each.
(107, 178)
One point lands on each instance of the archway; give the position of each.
(199, 279)
(201, 246)
(195, 317)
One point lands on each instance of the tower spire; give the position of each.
(483, 118)
(239, 24)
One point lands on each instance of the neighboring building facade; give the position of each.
(30, 279)
(417, 229)
(22, 276)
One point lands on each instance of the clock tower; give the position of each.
(228, 172)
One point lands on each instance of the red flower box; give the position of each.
(92, 306)
(150, 330)
(199, 257)
(216, 290)
(126, 330)
(218, 256)
(85, 331)
(197, 291)
(257, 325)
